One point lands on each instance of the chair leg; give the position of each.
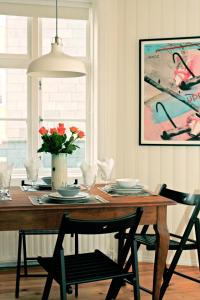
(136, 271)
(165, 272)
(76, 252)
(175, 259)
(120, 243)
(170, 271)
(143, 231)
(63, 291)
(197, 232)
(114, 288)
(24, 254)
(18, 266)
(47, 287)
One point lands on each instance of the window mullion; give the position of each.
(33, 94)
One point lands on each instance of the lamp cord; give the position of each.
(56, 38)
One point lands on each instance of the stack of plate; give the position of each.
(57, 198)
(115, 188)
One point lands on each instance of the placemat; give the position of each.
(5, 200)
(44, 200)
(39, 187)
(106, 189)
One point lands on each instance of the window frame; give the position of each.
(21, 61)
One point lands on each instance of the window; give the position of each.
(13, 34)
(29, 103)
(64, 99)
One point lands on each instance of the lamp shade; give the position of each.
(56, 64)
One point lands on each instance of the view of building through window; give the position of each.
(13, 34)
(13, 116)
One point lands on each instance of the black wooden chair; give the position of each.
(93, 266)
(179, 243)
(22, 251)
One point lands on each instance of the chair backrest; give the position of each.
(70, 226)
(180, 197)
(187, 199)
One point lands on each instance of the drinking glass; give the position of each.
(5, 179)
(89, 173)
(32, 169)
(89, 181)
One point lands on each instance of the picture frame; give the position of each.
(169, 91)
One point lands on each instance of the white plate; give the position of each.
(115, 188)
(79, 196)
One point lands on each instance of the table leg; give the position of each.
(161, 251)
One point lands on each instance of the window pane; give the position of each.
(64, 98)
(13, 142)
(13, 93)
(74, 159)
(13, 34)
(72, 33)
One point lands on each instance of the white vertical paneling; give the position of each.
(141, 158)
(121, 99)
(153, 164)
(166, 165)
(8, 247)
(180, 8)
(154, 31)
(120, 26)
(168, 20)
(192, 16)
(106, 13)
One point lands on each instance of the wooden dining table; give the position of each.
(20, 213)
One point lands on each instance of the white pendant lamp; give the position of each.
(56, 64)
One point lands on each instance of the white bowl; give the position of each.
(69, 190)
(127, 182)
(47, 180)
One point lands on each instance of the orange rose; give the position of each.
(61, 131)
(53, 130)
(81, 134)
(43, 130)
(73, 129)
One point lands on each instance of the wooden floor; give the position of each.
(31, 288)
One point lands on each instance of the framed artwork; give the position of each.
(169, 91)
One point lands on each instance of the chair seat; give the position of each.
(149, 240)
(94, 266)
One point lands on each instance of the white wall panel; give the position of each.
(153, 165)
(121, 23)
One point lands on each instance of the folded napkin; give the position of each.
(106, 168)
(89, 173)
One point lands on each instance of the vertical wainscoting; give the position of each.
(120, 25)
(44, 245)
(178, 166)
